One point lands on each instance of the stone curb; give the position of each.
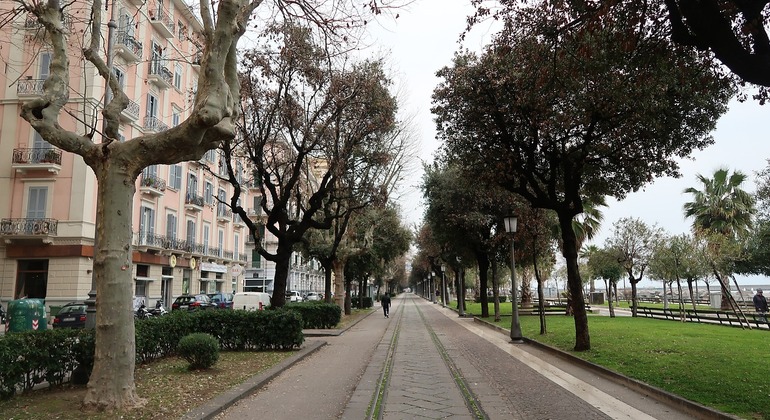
(690, 407)
(222, 401)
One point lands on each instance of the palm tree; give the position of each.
(722, 214)
(721, 207)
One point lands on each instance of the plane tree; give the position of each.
(309, 122)
(117, 164)
(562, 114)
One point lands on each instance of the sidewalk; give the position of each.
(425, 362)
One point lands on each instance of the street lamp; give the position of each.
(433, 286)
(510, 227)
(443, 286)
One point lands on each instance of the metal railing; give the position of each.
(154, 124)
(42, 227)
(132, 110)
(153, 181)
(158, 69)
(29, 87)
(194, 199)
(129, 42)
(37, 155)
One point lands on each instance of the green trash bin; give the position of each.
(26, 315)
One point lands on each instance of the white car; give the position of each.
(312, 296)
(293, 296)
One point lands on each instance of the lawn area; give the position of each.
(721, 367)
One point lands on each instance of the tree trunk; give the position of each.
(111, 385)
(495, 292)
(483, 262)
(282, 263)
(634, 304)
(575, 285)
(526, 291)
(348, 296)
(327, 266)
(692, 296)
(608, 286)
(339, 282)
(540, 297)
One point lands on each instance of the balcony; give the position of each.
(154, 125)
(29, 228)
(37, 159)
(238, 223)
(193, 202)
(131, 113)
(152, 185)
(146, 241)
(196, 60)
(128, 47)
(29, 88)
(224, 215)
(159, 74)
(162, 21)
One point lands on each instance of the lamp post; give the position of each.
(460, 288)
(433, 286)
(510, 227)
(443, 286)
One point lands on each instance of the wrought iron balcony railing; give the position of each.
(127, 41)
(153, 181)
(29, 227)
(193, 199)
(154, 124)
(29, 87)
(161, 73)
(39, 155)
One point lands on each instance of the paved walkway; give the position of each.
(424, 362)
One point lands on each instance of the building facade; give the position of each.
(185, 240)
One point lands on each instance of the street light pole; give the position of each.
(516, 337)
(443, 286)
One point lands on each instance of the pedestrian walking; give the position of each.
(385, 302)
(760, 305)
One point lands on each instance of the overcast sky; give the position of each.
(424, 38)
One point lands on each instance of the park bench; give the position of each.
(704, 316)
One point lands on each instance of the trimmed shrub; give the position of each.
(317, 314)
(201, 350)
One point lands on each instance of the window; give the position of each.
(152, 105)
(157, 62)
(206, 230)
(178, 77)
(192, 184)
(39, 143)
(175, 176)
(126, 24)
(221, 206)
(221, 242)
(150, 172)
(120, 77)
(175, 118)
(146, 225)
(190, 231)
(182, 30)
(237, 247)
(36, 202)
(208, 193)
(45, 65)
(256, 259)
(171, 226)
(211, 155)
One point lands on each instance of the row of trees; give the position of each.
(564, 108)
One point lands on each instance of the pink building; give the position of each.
(184, 240)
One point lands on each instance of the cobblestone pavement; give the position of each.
(425, 362)
(431, 364)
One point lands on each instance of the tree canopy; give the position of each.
(559, 114)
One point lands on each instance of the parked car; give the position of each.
(222, 300)
(293, 296)
(192, 303)
(312, 296)
(251, 301)
(71, 315)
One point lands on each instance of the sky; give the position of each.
(424, 38)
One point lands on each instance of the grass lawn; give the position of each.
(717, 366)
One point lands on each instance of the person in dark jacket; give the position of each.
(385, 302)
(760, 304)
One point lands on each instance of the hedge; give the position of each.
(32, 357)
(317, 314)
